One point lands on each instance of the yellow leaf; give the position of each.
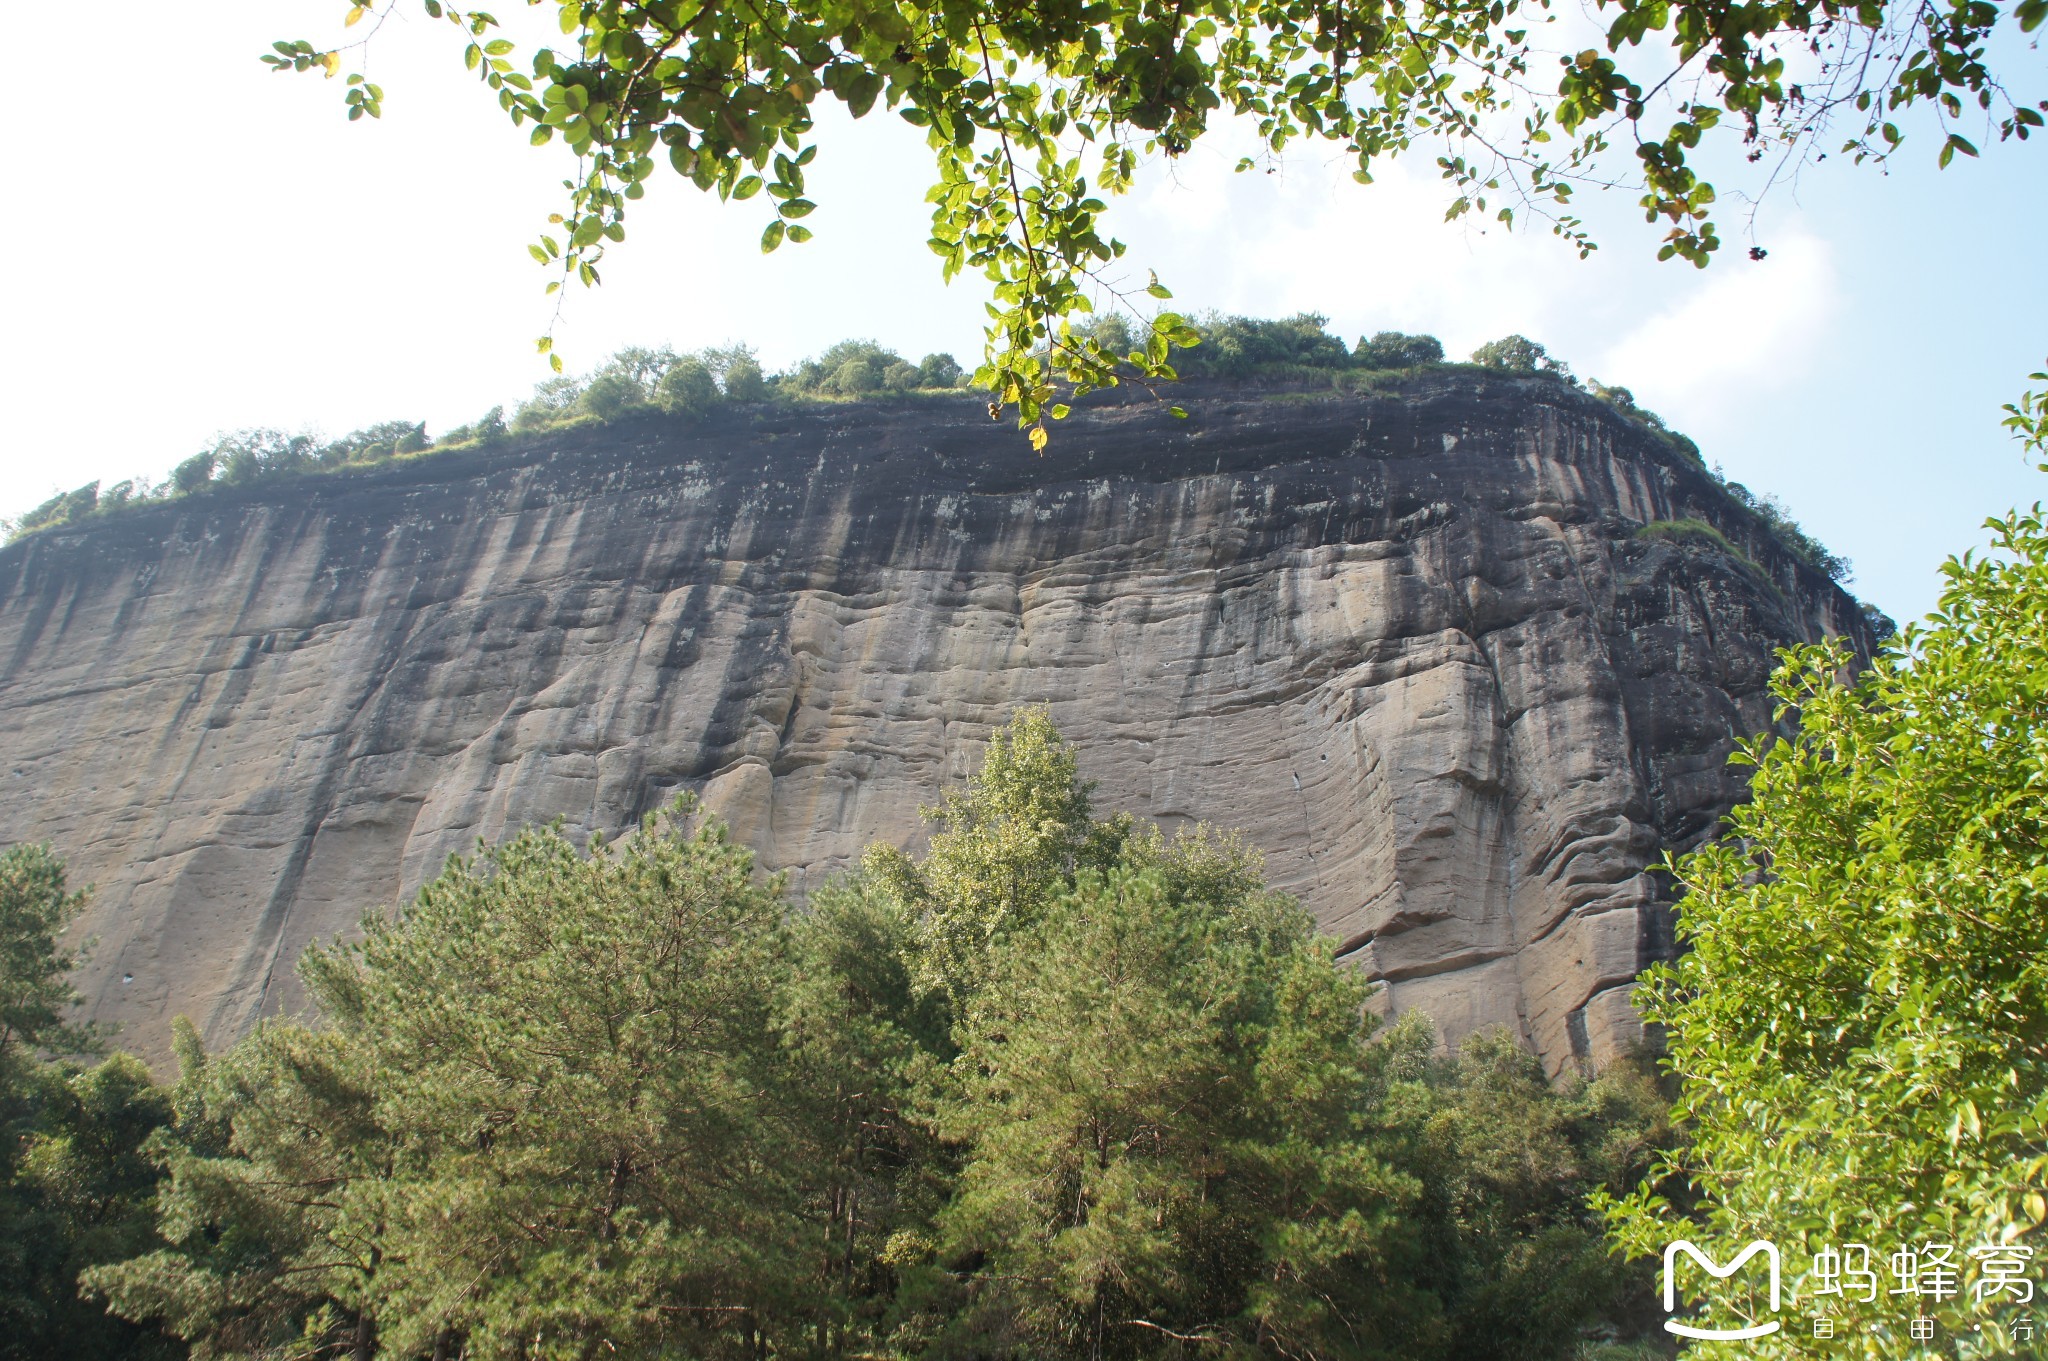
(2037, 1207)
(332, 61)
(355, 16)
(1038, 438)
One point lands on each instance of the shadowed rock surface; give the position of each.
(1410, 642)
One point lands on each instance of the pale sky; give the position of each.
(203, 246)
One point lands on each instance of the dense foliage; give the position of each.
(75, 1188)
(1516, 354)
(1035, 117)
(856, 368)
(1061, 1087)
(1858, 1023)
(1246, 347)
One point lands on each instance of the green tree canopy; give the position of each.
(1175, 1134)
(80, 1192)
(75, 1187)
(688, 388)
(1186, 1165)
(1003, 850)
(1231, 347)
(540, 1107)
(35, 992)
(1516, 354)
(1394, 350)
(1858, 1019)
(1036, 116)
(855, 368)
(1062, 1088)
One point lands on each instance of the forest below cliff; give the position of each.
(1059, 1087)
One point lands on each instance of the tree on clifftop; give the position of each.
(1036, 114)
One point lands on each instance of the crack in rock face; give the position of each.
(1410, 642)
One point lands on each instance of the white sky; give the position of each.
(203, 245)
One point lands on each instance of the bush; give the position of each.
(553, 398)
(247, 455)
(1683, 446)
(1395, 350)
(611, 394)
(373, 444)
(939, 371)
(854, 368)
(488, 428)
(195, 473)
(1516, 354)
(687, 389)
(744, 382)
(62, 509)
(1237, 347)
(855, 377)
(641, 366)
(1624, 401)
(252, 455)
(823, 374)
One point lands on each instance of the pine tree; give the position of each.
(538, 1121)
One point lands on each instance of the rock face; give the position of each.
(1411, 642)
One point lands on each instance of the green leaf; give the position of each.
(772, 237)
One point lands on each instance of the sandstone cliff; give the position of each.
(1411, 642)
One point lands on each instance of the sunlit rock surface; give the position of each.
(1411, 643)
